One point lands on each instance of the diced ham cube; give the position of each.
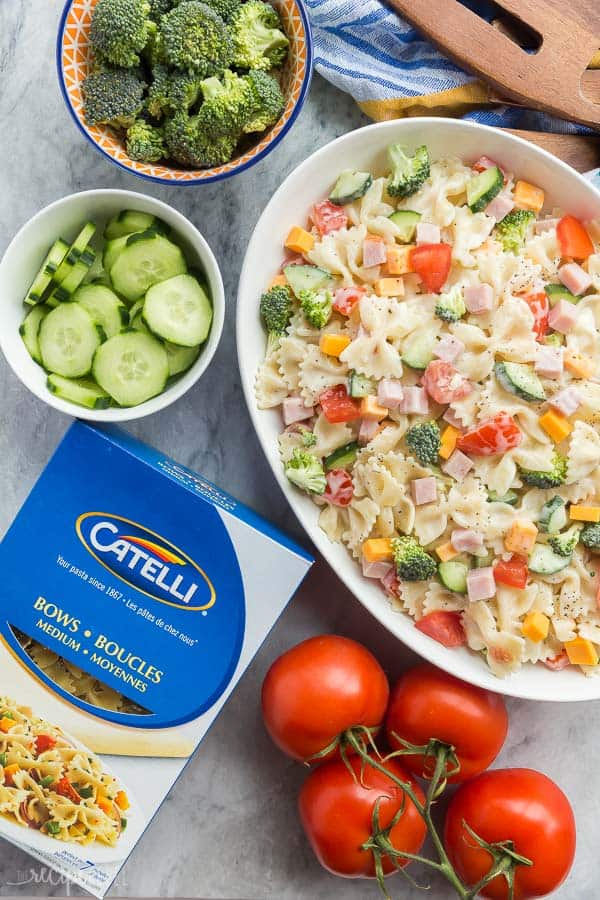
(390, 393)
(574, 278)
(427, 233)
(294, 410)
(481, 584)
(549, 361)
(449, 348)
(377, 569)
(543, 225)
(566, 401)
(500, 207)
(562, 316)
(457, 466)
(478, 298)
(374, 251)
(452, 419)
(466, 541)
(391, 583)
(367, 431)
(414, 401)
(423, 490)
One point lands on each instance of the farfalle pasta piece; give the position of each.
(469, 231)
(270, 387)
(319, 372)
(330, 436)
(362, 515)
(333, 520)
(583, 457)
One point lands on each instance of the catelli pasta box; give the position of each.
(121, 637)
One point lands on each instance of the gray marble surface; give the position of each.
(229, 828)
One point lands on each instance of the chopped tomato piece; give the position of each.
(346, 299)
(540, 307)
(338, 406)
(497, 435)
(340, 488)
(443, 626)
(444, 383)
(558, 662)
(328, 217)
(484, 162)
(66, 789)
(573, 239)
(44, 742)
(432, 263)
(513, 572)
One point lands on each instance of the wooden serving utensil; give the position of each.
(580, 152)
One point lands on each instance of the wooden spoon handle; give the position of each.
(581, 152)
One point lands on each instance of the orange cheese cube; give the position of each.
(9, 772)
(377, 549)
(370, 409)
(6, 723)
(581, 652)
(584, 513)
(446, 551)
(389, 287)
(520, 537)
(105, 804)
(535, 626)
(299, 240)
(278, 281)
(333, 344)
(122, 800)
(556, 425)
(528, 196)
(450, 435)
(398, 260)
(579, 365)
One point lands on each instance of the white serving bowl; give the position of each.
(64, 218)
(312, 180)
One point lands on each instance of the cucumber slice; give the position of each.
(112, 251)
(510, 497)
(306, 278)
(341, 458)
(418, 350)
(79, 245)
(48, 270)
(103, 306)
(521, 380)
(132, 367)
(178, 310)
(350, 186)
(453, 576)
(359, 385)
(143, 262)
(68, 340)
(544, 561)
(30, 329)
(553, 515)
(65, 290)
(180, 358)
(556, 292)
(406, 220)
(83, 392)
(130, 220)
(482, 188)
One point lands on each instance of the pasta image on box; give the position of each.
(134, 599)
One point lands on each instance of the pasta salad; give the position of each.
(433, 343)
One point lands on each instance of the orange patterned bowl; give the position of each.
(73, 56)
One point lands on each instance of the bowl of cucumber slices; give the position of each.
(112, 305)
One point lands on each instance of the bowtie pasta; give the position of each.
(433, 345)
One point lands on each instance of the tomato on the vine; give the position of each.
(520, 806)
(336, 810)
(319, 689)
(427, 703)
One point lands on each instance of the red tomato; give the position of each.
(496, 435)
(517, 805)
(558, 662)
(319, 689)
(513, 572)
(328, 217)
(443, 626)
(66, 789)
(338, 406)
(336, 809)
(540, 307)
(44, 742)
(573, 239)
(346, 299)
(444, 383)
(428, 703)
(340, 488)
(432, 262)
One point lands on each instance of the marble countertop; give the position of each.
(228, 830)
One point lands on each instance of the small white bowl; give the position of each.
(63, 218)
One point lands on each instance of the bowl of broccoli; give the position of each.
(184, 91)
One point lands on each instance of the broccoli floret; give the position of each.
(306, 472)
(512, 229)
(159, 7)
(276, 308)
(316, 306)
(309, 438)
(451, 307)
(223, 8)
(157, 101)
(195, 39)
(411, 561)
(145, 142)
(408, 173)
(269, 101)
(258, 41)
(112, 98)
(590, 536)
(565, 543)
(183, 91)
(424, 441)
(189, 145)
(543, 480)
(227, 106)
(120, 30)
